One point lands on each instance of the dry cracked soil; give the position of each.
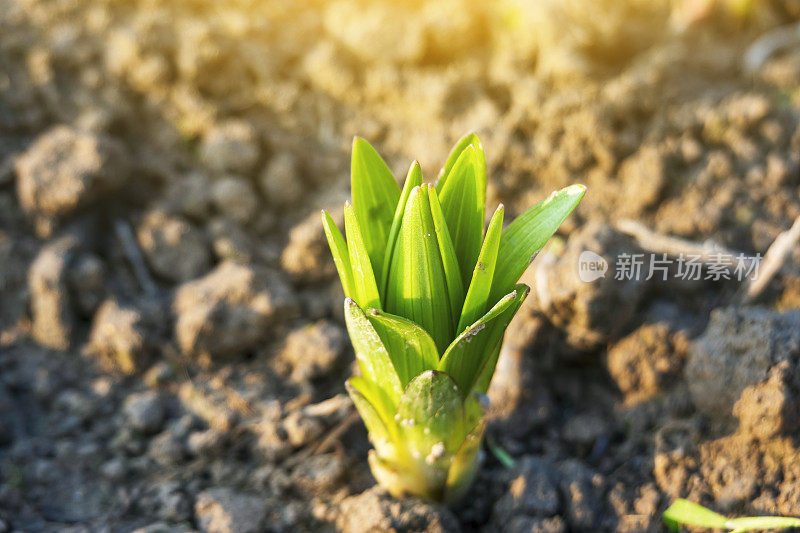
(172, 347)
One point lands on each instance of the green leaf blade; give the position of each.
(528, 234)
(410, 347)
(375, 196)
(463, 201)
(341, 256)
(413, 179)
(417, 288)
(364, 286)
(372, 357)
(470, 138)
(455, 287)
(373, 406)
(476, 301)
(465, 465)
(470, 355)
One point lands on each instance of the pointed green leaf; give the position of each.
(417, 289)
(410, 347)
(373, 406)
(341, 256)
(431, 416)
(528, 233)
(465, 465)
(468, 139)
(413, 179)
(375, 195)
(364, 287)
(487, 372)
(684, 512)
(467, 357)
(452, 274)
(371, 354)
(476, 302)
(463, 200)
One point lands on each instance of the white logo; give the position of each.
(591, 266)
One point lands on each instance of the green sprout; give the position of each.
(428, 298)
(692, 514)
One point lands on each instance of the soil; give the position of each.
(172, 346)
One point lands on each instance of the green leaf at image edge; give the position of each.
(685, 512)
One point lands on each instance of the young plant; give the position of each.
(428, 299)
(684, 512)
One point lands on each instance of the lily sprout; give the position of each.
(428, 297)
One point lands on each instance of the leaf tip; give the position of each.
(577, 189)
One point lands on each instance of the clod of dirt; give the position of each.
(528, 524)
(230, 241)
(165, 449)
(145, 411)
(306, 257)
(163, 527)
(205, 443)
(591, 312)
(87, 280)
(232, 146)
(771, 407)
(224, 510)
(643, 177)
(271, 441)
(235, 198)
(280, 181)
(14, 261)
(532, 492)
(313, 350)
(377, 31)
(119, 336)
(375, 510)
(320, 472)
(229, 310)
(736, 351)
(6, 418)
(175, 250)
(581, 489)
(584, 429)
(190, 195)
(65, 170)
(51, 303)
(646, 361)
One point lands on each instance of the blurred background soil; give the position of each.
(172, 349)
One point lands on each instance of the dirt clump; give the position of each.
(228, 311)
(65, 170)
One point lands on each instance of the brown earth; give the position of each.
(172, 349)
